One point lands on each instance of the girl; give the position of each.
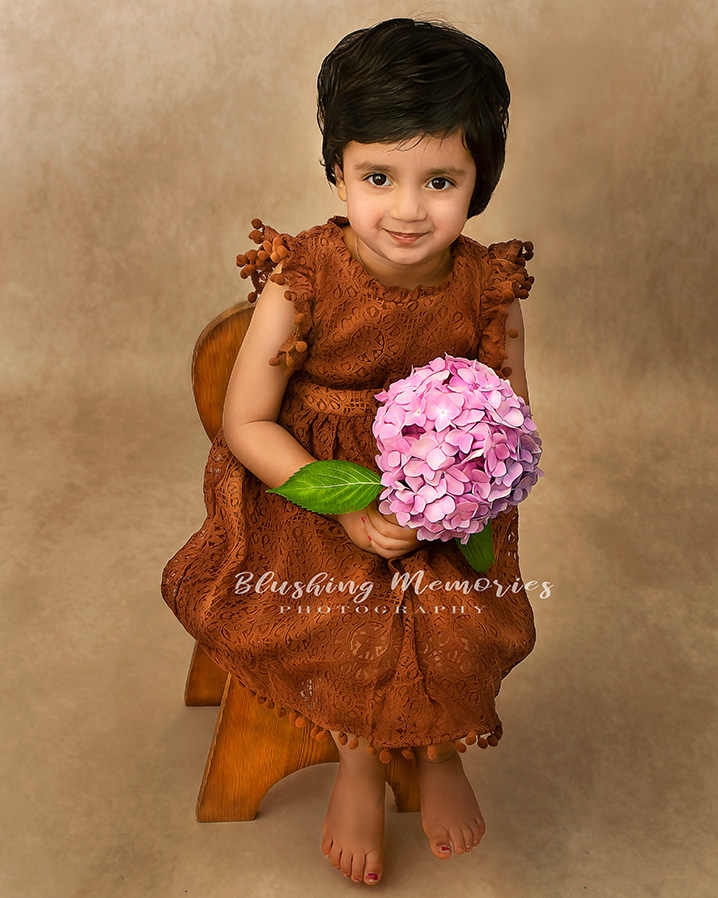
(348, 622)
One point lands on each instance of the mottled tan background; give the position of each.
(138, 139)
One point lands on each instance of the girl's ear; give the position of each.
(341, 186)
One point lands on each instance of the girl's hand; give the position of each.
(379, 534)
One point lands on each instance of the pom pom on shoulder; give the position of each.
(259, 265)
(508, 277)
(506, 280)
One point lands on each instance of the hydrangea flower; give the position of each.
(456, 447)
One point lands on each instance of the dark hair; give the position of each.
(405, 78)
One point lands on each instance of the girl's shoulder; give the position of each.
(307, 265)
(312, 253)
(503, 279)
(321, 250)
(511, 253)
(500, 267)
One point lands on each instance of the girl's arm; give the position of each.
(255, 392)
(249, 421)
(515, 350)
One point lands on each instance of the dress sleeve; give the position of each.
(259, 264)
(506, 280)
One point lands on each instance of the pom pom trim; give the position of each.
(506, 280)
(259, 265)
(385, 754)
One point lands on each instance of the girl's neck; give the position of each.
(426, 274)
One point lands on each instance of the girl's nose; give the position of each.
(408, 205)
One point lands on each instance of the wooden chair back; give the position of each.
(213, 359)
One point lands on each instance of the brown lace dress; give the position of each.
(279, 596)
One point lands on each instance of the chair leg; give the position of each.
(252, 749)
(205, 680)
(401, 776)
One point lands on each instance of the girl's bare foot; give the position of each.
(353, 837)
(450, 813)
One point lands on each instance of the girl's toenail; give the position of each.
(445, 848)
(372, 877)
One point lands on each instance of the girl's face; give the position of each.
(406, 203)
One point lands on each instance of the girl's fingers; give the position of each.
(397, 546)
(378, 534)
(385, 526)
(370, 531)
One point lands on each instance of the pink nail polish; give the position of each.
(444, 848)
(363, 519)
(372, 877)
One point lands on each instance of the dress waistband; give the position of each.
(335, 400)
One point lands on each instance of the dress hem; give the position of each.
(385, 753)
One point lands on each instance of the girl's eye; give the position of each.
(377, 179)
(440, 183)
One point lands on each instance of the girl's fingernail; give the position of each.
(363, 519)
(369, 537)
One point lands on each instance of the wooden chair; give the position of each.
(251, 749)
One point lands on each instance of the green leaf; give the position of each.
(331, 487)
(479, 550)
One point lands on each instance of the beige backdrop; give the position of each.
(138, 140)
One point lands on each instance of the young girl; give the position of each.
(348, 622)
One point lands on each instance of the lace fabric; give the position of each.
(406, 652)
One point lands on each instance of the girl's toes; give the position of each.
(372, 869)
(346, 864)
(441, 844)
(478, 829)
(457, 839)
(468, 837)
(326, 846)
(335, 856)
(358, 867)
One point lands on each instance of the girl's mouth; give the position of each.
(403, 238)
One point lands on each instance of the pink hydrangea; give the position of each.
(456, 446)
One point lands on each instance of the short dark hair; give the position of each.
(405, 78)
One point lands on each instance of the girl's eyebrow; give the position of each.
(447, 171)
